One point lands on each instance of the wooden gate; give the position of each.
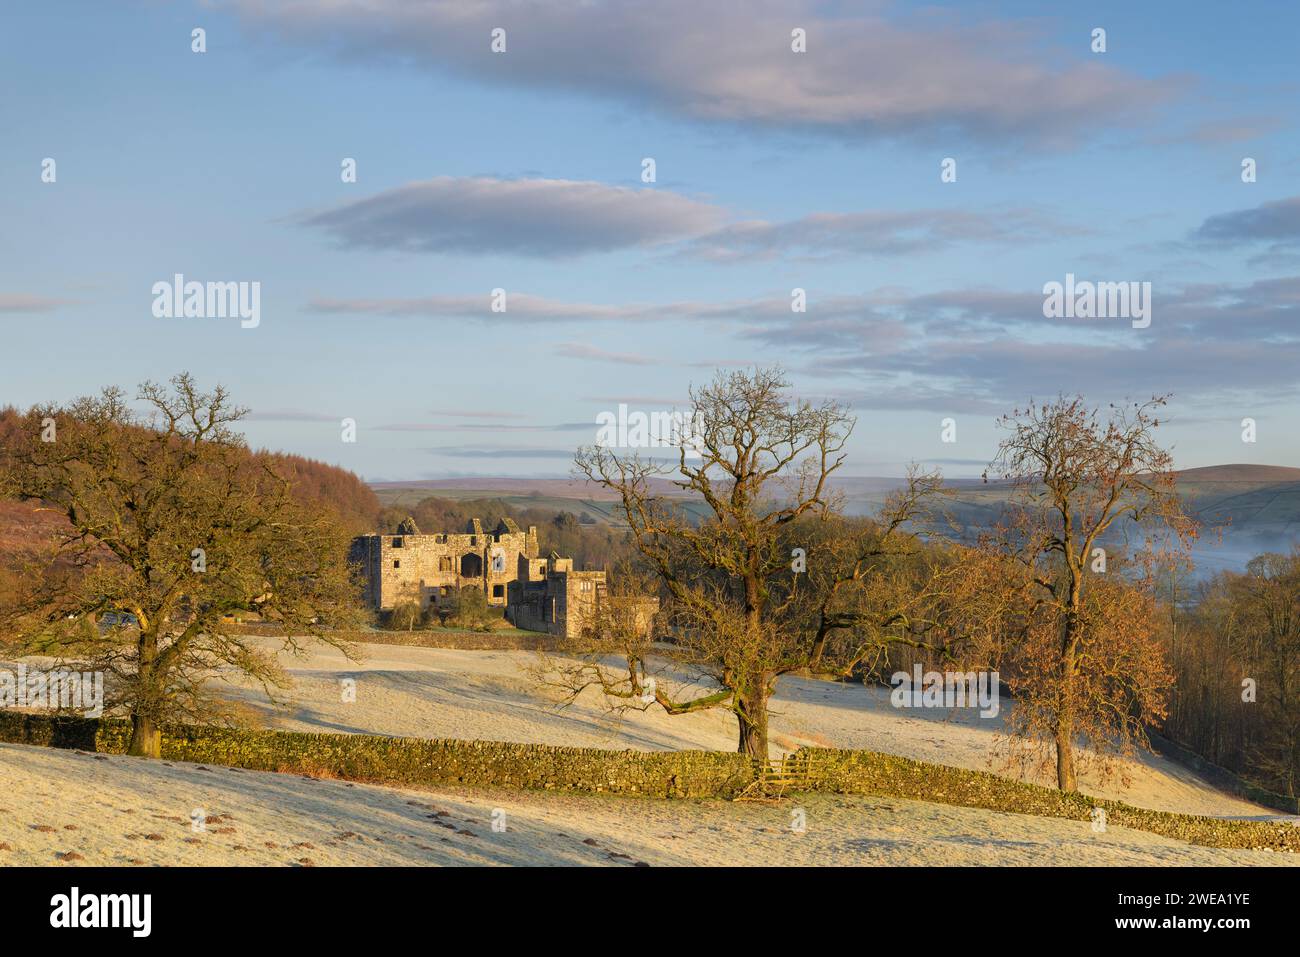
(774, 779)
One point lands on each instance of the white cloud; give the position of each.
(529, 217)
(868, 71)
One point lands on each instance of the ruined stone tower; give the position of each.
(411, 566)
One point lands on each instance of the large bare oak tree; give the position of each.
(771, 580)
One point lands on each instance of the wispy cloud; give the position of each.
(1208, 343)
(1220, 131)
(520, 307)
(583, 350)
(476, 414)
(22, 302)
(1276, 222)
(547, 218)
(868, 71)
(551, 218)
(499, 452)
(878, 232)
(865, 312)
(477, 427)
(652, 401)
(982, 348)
(290, 415)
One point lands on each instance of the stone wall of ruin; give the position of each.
(431, 568)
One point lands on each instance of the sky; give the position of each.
(775, 169)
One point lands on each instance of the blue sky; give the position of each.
(775, 170)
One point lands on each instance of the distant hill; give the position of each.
(1260, 474)
(556, 495)
(554, 488)
(1244, 510)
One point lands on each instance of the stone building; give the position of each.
(538, 594)
(431, 569)
(550, 595)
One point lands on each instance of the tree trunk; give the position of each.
(1065, 776)
(146, 739)
(1066, 779)
(751, 710)
(751, 707)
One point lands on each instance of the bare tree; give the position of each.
(772, 580)
(763, 461)
(172, 526)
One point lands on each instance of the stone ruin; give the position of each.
(539, 594)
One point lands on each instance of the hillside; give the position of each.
(1255, 474)
(116, 810)
(550, 495)
(494, 696)
(568, 489)
(26, 527)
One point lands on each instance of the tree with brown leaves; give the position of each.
(172, 526)
(1089, 664)
(1238, 667)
